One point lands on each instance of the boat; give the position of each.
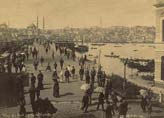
(112, 56)
(81, 48)
(67, 44)
(98, 44)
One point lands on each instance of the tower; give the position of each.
(37, 22)
(43, 23)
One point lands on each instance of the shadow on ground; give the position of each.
(84, 116)
(66, 94)
(157, 117)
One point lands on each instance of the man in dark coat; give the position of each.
(149, 108)
(108, 111)
(93, 74)
(46, 50)
(27, 55)
(108, 89)
(61, 63)
(33, 80)
(19, 88)
(90, 92)
(73, 72)
(85, 102)
(73, 55)
(16, 66)
(99, 74)
(9, 67)
(101, 101)
(67, 75)
(35, 64)
(81, 73)
(21, 65)
(103, 78)
(32, 95)
(22, 110)
(48, 68)
(55, 74)
(37, 93)
(123, 108)
(41, 60)
(87, 76)
(55, 66)
(115, 101)
(40, 80)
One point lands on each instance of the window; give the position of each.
(163, 30)
(162, 68)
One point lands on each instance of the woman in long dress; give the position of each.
(56, 88)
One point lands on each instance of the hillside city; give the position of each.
(113, 34)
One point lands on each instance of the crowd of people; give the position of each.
(114, 103)
(109, 101)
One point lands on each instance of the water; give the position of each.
(114, 65)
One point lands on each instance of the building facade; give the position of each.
(159, 57)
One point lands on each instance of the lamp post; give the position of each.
(99, 60)
(124, 82)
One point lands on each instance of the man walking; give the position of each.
(87, 76)
(93, 74)
(55, 66)
(85, 102)
(123, 108)
(67, 75)
(101, 101)
(108, 111)
(35, 64)
(99, 74)
(81, 73)
(40, 80)
(73, 72)
(61, 63)
(33, 80)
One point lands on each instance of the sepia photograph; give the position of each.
(82, 59)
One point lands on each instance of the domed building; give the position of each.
(32, 31)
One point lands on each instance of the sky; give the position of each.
(77, 13)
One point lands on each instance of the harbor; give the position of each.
(77, 59)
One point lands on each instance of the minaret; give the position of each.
(43, 23)
(37, 24)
